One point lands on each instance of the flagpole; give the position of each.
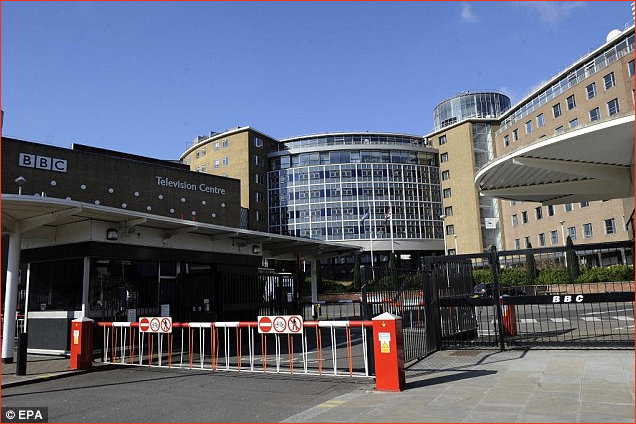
(391, 217)
(371, 222)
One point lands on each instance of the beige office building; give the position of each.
(239, 153)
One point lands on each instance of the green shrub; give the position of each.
(514, 277)
(553, 276)
(482, 276)
(606, 274)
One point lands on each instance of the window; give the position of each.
(196, 154)
(258, 178)
(595, 114)
(612, 107)
(450, 230)
(587, 230)
(515, 135)
(559, 129)
(258, 197)
(517, 244)
(226, 161)
(539, 212)
(447, 193)
(554, 237)
(216, 164)
(574, 123)
(609, 81)
(526, 242)
(442, 140)
(202, 167)
(202, 151)
(258, 160)
(258, 142)
(591, 91)
(524, 217)
(541, 239)
(572, 233)
(445, 175)
(540, 120)
(568, 207)
(610, 224)
(197, 169)
(556, 110)
(217, 145)
(630, 68)
(258, 215)
(448, 211)
(506, 140)
(585, 204)
(515, 220)
(571, 101)
(550, 210)
(226, 143)
(443, 157)
(528, 127)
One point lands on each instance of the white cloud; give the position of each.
(467, 14)
(551, 12)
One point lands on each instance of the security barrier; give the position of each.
(339, 348)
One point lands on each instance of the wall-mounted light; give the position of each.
(20, 182)
(111, 234)
(256, 249)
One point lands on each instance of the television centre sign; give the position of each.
(184, 185)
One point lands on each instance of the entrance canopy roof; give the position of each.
(591, 163)
(30, 212)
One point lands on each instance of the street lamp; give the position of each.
(20, 182)
(443, 217)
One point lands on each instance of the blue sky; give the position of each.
(146, 77)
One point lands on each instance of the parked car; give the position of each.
(486, 290)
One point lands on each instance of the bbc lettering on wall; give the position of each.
(42, 162)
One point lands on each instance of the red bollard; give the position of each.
(388, 348)
(509, 318)
(82, 344)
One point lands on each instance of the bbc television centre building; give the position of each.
(115, 236)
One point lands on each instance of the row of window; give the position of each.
(352, 156)
(588, 232)
(217, 145)
(217, 163)
(538, 212)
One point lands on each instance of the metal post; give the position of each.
(494, 267)
(11, 295)
(363, 292)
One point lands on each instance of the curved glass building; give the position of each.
(357, 187)
(467, 105)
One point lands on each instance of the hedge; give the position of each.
(519, 276)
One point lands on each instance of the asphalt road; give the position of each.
(136, 394)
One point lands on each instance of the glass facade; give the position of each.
(469, 105)
(348, 190)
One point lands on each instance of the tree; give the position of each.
(572, 260)
(531, 267)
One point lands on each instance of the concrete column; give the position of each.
(11, 295)
(314, 279)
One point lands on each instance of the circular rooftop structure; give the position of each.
(465, 105)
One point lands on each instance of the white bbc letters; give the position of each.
(42, 162)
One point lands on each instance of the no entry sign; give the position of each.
(280, 324)
(155, 325)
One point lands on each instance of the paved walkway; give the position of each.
(39, 367)
(492, 386)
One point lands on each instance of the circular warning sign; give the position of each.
(294, 324)
(264, 325)
(144, 324)
(166, 325)
(280, 324)
(154, 324)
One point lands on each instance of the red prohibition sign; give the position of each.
(293, 324)
(265, 324)
(165, 325)
(280, 324)
(144, 324)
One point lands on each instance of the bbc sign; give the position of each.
(42, 162)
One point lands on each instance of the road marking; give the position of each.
(331, 403)
(591, 319)
(528, 321)
(561, 320)
(623, 318)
